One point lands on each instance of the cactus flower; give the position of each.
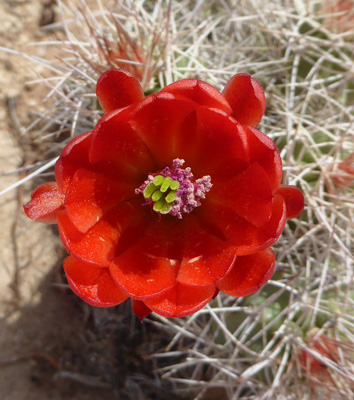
(171, 198)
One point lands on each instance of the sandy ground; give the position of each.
(29, 252)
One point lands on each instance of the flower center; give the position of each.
(174, 190)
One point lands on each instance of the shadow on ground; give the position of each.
(66, 349)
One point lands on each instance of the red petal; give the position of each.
(294, 200)
(246, 98)
(180, 300)
(140, 309)
(93, 284)
(45, 202)
(248, 194)
(91, 195)
(206, 259)
(117, 88)
(151, 265)
(144, 270)
(248, 274)
(98, 245)
(158, 120)
(212, 143)
(119, 150)
(172, 249)
(226, 224)
(263, 150)
(200, 92)
(73, 156)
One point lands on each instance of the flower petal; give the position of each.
(248, 274)
(206, 259)
(249, 194)
(212, 143)
(226, 224)
(91, 195)
(200, 92)
(294, 200)
(145, 269)
(45, 202)
(140, 309)
(158, 120)
(180, 300)
(117, 88)
(246, 98)
(172, 249)
(99, 244)
(161, 247)
(118, 149)
(93, 284)
(73, 157)
(263, 150)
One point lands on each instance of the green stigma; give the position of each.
(162, 191)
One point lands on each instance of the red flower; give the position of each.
(170, 198)
(345, 173)
(322, 357)
(339, 15)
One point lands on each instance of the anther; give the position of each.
(175, 191)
